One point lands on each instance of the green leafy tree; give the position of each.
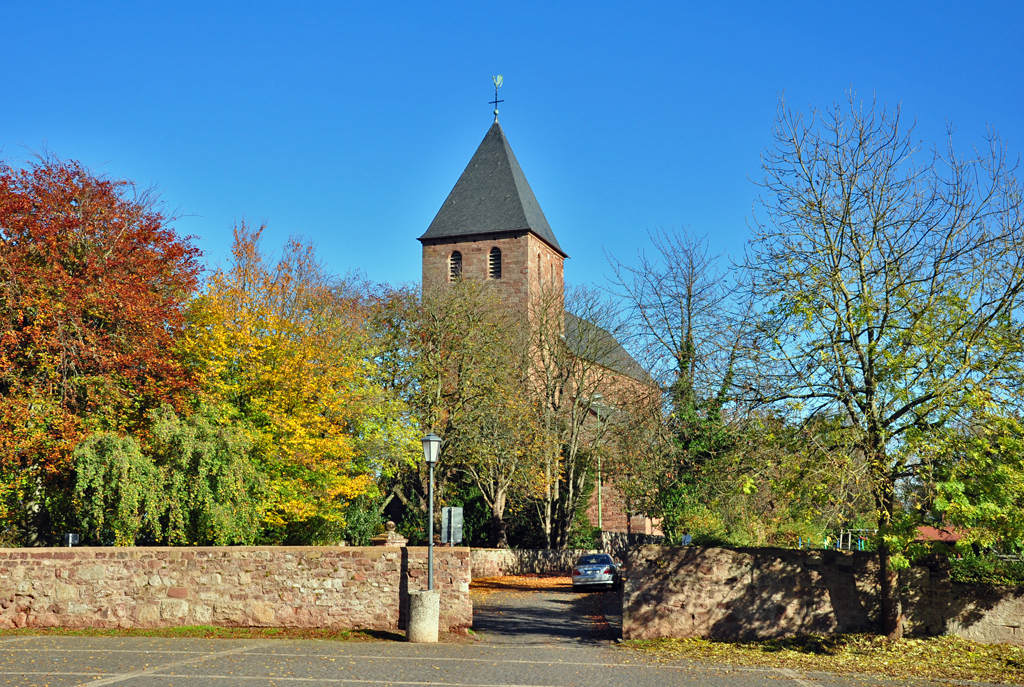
(975, 480)
(118, 490)
(194, 483)
(888, 284)
(213, 490)
(676, 300)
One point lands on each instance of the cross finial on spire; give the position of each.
(497, 83)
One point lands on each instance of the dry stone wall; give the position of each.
(308, 587)
(759, 593)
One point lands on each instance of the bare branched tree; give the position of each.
(577, 366)
(675, 301)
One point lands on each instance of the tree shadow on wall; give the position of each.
(750, 594)
(932, 602)
(746, 594)
(787, 593)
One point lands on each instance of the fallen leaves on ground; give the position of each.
(543, 582)
(935, 658)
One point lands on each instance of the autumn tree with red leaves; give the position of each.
(93, 284)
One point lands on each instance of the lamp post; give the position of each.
(431, 446)
(596, 403)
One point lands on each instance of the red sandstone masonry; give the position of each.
(308, 587)
(527, 265)
(757, 593)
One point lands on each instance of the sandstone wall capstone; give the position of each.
(762, 593)
(314, 587)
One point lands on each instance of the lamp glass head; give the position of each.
(431, 446)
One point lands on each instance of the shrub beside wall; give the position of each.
(332, 587)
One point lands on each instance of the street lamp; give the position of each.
(431, 446)
(596, 404)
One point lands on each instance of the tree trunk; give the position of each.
(498, 524)
(498, 531)
(889, 591)
(888, 580)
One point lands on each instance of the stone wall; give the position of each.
(619, 544)
(333, 587)
(979, 612)
(498, 562)
(709, 592)
(758, 593)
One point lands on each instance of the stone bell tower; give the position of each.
(492, 227)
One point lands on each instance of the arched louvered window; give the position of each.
(455, 265)
(494, 263)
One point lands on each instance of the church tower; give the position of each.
(491, 227)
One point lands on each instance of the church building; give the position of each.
(491, 227)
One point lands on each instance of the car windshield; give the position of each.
(595, 560)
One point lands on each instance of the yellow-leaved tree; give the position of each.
(281, 348)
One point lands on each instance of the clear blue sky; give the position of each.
(349, 123)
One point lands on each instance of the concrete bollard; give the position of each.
(424, 610)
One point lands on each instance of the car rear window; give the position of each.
(595, 560)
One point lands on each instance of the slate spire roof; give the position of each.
(491, 197)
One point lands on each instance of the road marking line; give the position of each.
(274, 678)
(793, 675)
(425, 658)
(149, 671)
(43, 650)
(341, 680)
(490, 660)
(439, 659)
(381, 658)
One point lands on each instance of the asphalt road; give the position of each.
(152, 662)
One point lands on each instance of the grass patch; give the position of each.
(212, 632)
(934, 658)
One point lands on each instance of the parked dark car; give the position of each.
(595, 569)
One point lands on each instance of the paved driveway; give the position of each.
(544, 611)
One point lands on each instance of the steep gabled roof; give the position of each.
(596, 344)
(491, 197)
